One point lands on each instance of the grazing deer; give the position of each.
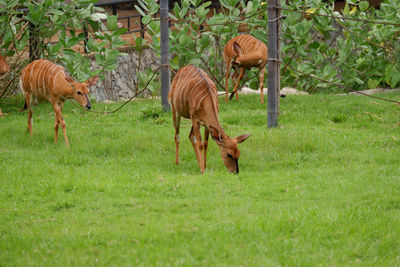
(50, 82)
(241, 53)
(193, 95)
(4, 68)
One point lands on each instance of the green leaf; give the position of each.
(146, 19)
(363, 5)
(346, 10)
(395, 79)
(112, 22)
(389, 72)
(372, 83)
(140, 11)
(98, 16)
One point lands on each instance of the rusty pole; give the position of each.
(273, 62)
(165, 74)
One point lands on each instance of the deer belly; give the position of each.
(40, 93)
(184, 112)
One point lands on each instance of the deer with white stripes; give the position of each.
(242, 53)
(193, 95)
(4, 68)
(48, 81)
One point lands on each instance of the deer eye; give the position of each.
(79, 93)
(229, 156)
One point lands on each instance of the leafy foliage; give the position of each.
(350, 53)
(58, 29)
(198, 32)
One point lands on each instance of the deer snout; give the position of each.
(235, 168)
(236, 171)
(88, 105)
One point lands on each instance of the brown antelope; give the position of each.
(244, 52)
(48, 81)
(4, 68)
(193, 95)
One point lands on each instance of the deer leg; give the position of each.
(28, 99)
(206, 135)
(177, 123)
(261, 77)
(56, 124)
(61, 121)
(234, 92)
(228, 73)
(195, 139)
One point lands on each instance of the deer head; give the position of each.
(228, 148)
(81, 90)
(238, 54)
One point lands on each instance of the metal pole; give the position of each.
(141, 27)
(86, 40)
(273, 62)
(165, 80)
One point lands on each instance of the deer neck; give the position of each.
(209, 115)
(66, 89)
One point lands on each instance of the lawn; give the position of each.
(321, 189)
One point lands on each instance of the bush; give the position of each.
(68, 22)
(350, 53)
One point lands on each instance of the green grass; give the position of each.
(321, 189)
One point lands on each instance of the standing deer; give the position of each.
(4, 68)
(193, 95)
(50, 82)
(244, 52)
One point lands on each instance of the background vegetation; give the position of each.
(56, 31)
(354, 54)
(322, 189)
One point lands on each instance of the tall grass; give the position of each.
(321, 189)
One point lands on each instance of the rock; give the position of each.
(107, 101)
(375, 91)
(284, 91)
(119, 83)
(292, 91)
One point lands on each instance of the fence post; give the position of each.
(165, 79)
(273, 62)
(86, 40)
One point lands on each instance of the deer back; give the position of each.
(4, 67)
(253, 52)
(193, 93)
(45, 79)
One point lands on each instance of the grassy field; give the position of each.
(321, 189)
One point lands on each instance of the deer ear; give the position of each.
(237, 48)
(92, 81)
(215, 134)
(241, 138)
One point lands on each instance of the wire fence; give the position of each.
(389, 54)
(242, 17)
